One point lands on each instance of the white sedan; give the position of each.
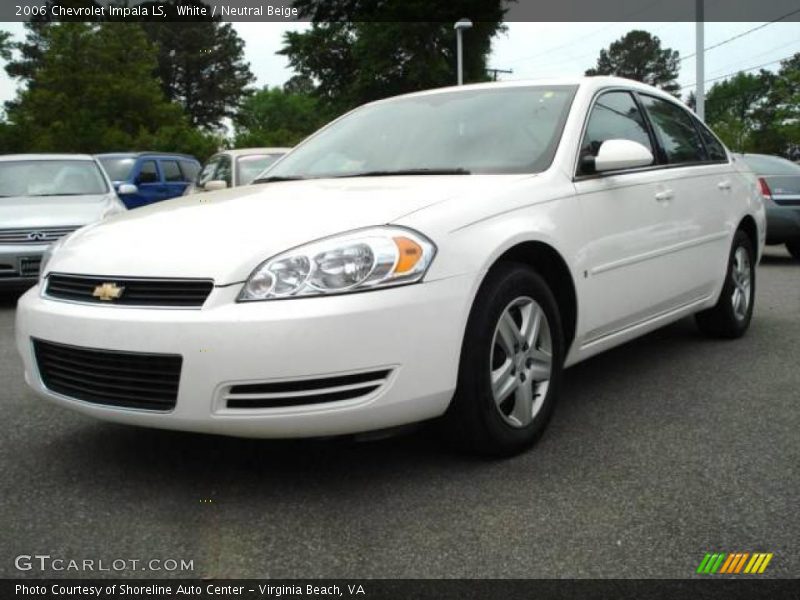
(444, 254)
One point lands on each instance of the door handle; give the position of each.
(665, 195)
(724, 185)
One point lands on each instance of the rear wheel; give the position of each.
(794, 248)
(511, 363)
(731, 316)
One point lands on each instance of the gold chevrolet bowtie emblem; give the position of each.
(108, 291)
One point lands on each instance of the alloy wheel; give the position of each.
(521, 361)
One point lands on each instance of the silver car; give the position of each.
(232, 168)
(44, 197)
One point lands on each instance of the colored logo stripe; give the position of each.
(734, 562)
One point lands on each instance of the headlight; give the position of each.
(352, 262)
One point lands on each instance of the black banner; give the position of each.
(399, 11)
(378, 589)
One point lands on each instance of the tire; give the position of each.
(794, 248)
(511, 296)
(729, 318)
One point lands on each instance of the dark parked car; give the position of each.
(142, 178)
(779, 180)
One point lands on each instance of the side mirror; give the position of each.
(127, 188)
(621, 154)
(214, 185)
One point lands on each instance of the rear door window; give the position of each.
(716, 151)
(172, 172)
(190, 169)
(675, 130)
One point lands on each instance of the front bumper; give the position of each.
(19, 264)
(415, 331)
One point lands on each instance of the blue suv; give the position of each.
(142, 178)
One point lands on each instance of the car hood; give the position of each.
(51, 211)
(224, 235)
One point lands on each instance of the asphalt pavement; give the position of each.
(660, 451)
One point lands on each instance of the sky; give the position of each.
(535, 50)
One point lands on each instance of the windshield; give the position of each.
(249, 166)
(771, 165)
(500, 130)
(118, 169)
(51, 178)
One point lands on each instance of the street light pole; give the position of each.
(700, 61)
(460, 26)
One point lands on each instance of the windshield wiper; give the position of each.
(421, 171)
(277, 178)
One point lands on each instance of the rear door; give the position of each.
(174, 180)
(699, 183)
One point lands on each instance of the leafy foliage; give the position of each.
(276, 117)
(362, 50)
(638, 55)
(201, 66)
(94, 91)
(758, 112)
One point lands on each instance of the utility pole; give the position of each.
(460, 26)
(700, 62)
(494, 72)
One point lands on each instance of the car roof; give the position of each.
(139, 154)
(15, 157)
(589, 83)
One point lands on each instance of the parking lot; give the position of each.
(660, 451)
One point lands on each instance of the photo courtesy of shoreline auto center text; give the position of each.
(393, 299)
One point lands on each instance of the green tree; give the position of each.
(201, 66)
(361, 50)
(638, 55)
(93, 90)
(275, 117)
(200, 60)
(5, 45)
(738, 111)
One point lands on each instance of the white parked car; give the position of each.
(42, 198)
(232, 168)
(441, 254)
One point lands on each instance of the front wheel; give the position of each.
(731, 316)
(511, 363)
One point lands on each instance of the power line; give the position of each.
(740, 35)
(592, 34)
(737, 72)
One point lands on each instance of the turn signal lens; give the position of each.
(351, 262)
(409, 254)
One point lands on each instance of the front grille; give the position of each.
(34, 235)
(308, 391)
(112, 378)
(179, 293)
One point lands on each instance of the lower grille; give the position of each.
(113, 378)
(308, 391)
(130, 291)
(29, 266)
